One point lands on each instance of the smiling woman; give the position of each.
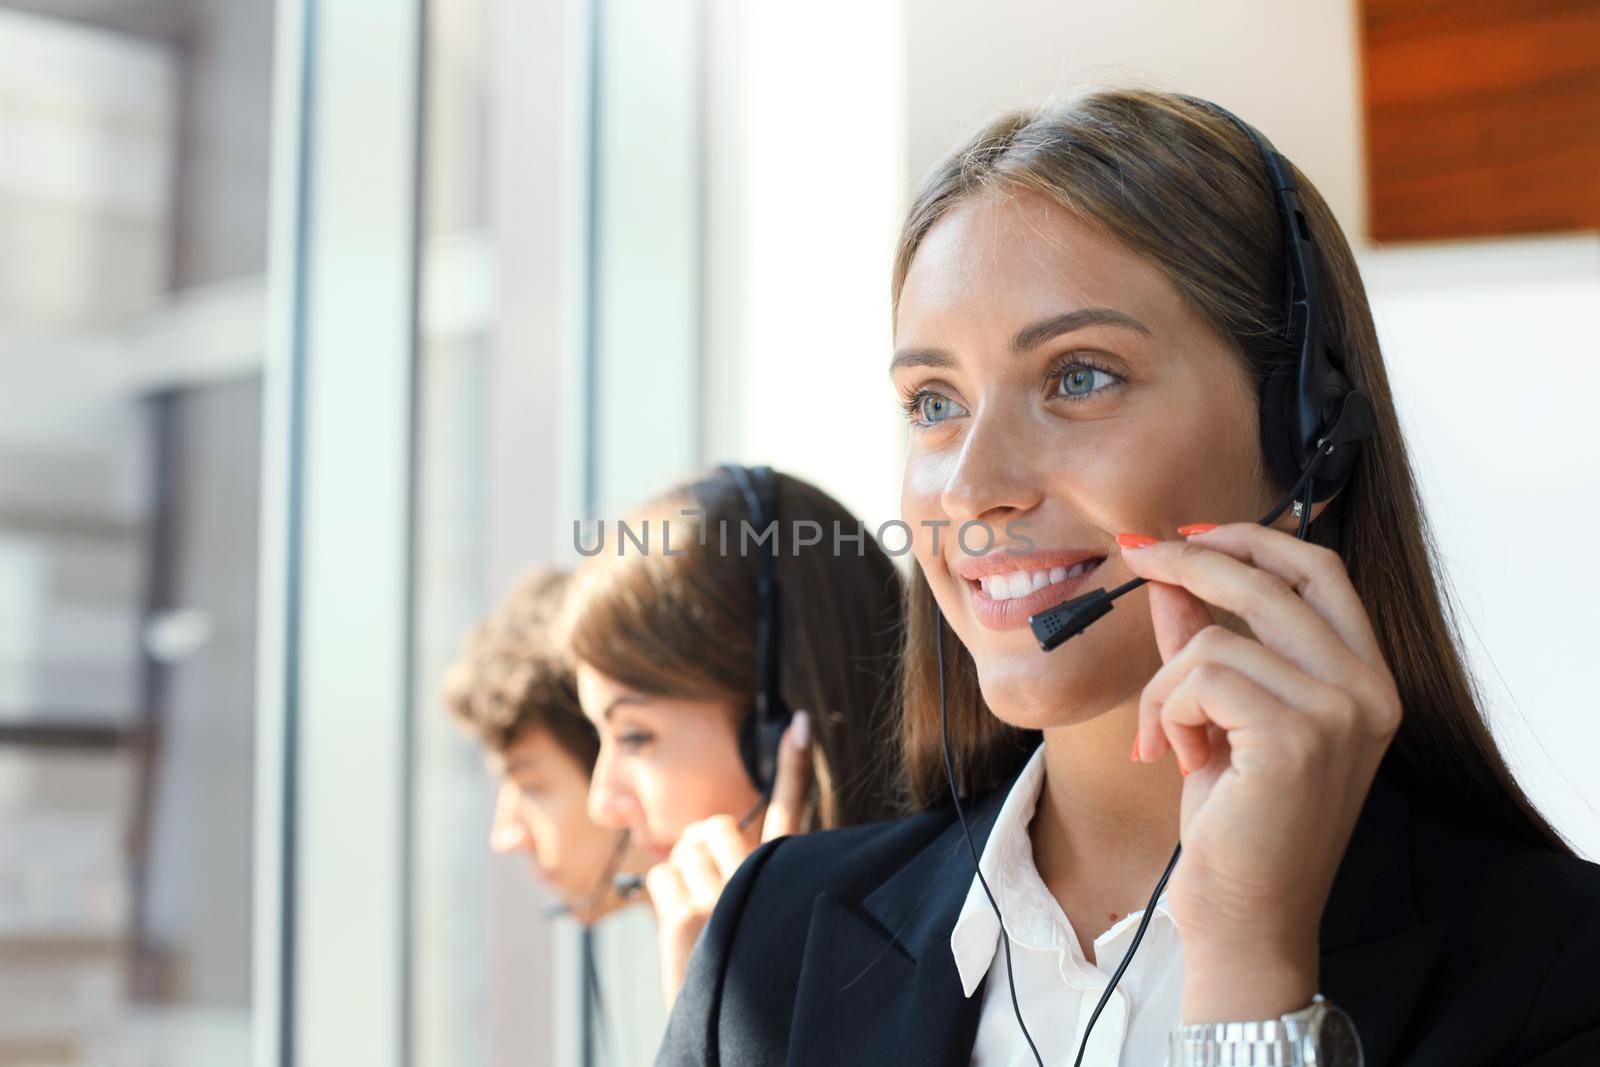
(1078, 423)
(1095, 349)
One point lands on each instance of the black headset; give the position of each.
(1313, 422)
(761, 731)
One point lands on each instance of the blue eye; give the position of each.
(928, 408)
(1078, 380)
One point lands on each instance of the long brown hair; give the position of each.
(1181, 185)
(683, 625)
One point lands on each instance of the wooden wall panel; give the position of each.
(1482, 117)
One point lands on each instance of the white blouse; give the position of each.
(1057, 986)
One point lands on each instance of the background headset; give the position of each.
(760, 731)
(1313, 422)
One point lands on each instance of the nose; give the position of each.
(612, 803)
(993, 478)
(508, 834)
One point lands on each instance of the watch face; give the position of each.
(1335, 1040)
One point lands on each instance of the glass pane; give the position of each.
(512, 444)
(483, 963)
(133, 194)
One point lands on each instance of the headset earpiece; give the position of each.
(1277, 432)
(759, 738)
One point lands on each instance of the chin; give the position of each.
(1021, 693)
(1021, 696)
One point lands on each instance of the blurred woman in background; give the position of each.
(665, 645)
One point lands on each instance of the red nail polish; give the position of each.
(1135, 756)
(1133, 540)
(1196, 528)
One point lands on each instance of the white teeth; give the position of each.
(1021, 583)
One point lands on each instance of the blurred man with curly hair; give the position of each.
(513, 689)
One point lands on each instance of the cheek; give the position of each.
(670, 786)
(922, 505)
(649, 785)
(1215, 479)
(570, 817)
(581, 846)
(922, 483)
(544, 829)
(1179, 462)
(702, 776)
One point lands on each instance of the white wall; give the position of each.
(1289, 69)
(1494, 371)
(806, 141)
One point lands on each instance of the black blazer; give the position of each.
(1449, 947)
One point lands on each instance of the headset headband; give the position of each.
(1297, 413)
(759, 487)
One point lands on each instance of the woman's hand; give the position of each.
(685, 887)
(1279, 735)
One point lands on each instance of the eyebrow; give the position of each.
(626, 698)
(1033, 336)
(1029, 337)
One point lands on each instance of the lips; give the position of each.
(1006, 588)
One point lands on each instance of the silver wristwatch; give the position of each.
(1318, 1036)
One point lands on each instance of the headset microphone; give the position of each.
(1313, 422)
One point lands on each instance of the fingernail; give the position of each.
(1135, 756)
(1195, 528)
(1181, 768)
(1130, 540)
(802, 730)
